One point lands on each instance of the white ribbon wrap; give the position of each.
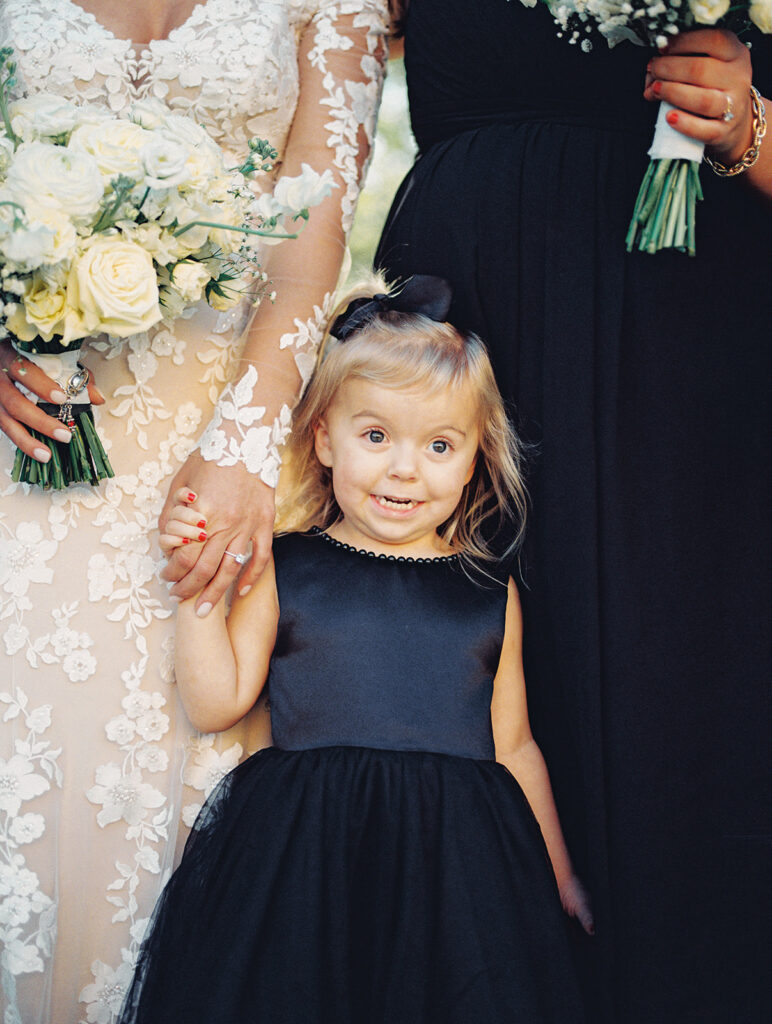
(670, 144)
(59, 367)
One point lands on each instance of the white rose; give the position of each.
(56, 177)
(164, 162)
(190, 279)
(305, 190)
(151, 114)
(205, 165)
(205, 158)
(708, 12)
(45, 308)
(43, 116)
(116, 145)
(185, 130)
(760, 13)
(112, 287)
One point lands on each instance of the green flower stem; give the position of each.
(94, 445)
(227, 227)
(81, 460)
(640, 199)
(663, 207)
(655, 193)
(664, 213)
(7, 81)
(678, 191)
(695, 194)
(121, 188)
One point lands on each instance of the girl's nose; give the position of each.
(403, 465)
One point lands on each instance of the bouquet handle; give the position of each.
(82, 459)
(664, 213)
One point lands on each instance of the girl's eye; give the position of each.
(376, 436)
(440, 447)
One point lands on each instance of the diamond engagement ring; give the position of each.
(241, 559)
(728, 114)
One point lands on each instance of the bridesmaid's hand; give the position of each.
(17, 412)
(238, 509)
(576, 903)
(699, 73)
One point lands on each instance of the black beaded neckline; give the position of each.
(402, 559)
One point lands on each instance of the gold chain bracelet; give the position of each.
(751, 154)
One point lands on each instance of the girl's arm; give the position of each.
(222, 663)
(516, 749)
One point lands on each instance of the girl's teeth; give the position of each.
(400, 503)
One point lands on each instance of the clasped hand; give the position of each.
(237, 510)
(706, 74)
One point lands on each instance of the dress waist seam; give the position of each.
(534, 117)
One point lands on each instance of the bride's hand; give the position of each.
(239, 509)
(705, 74)
(17, 412)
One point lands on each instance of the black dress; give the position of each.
(643, 383)
(377, 866)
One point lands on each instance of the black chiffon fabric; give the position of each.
(396, 875)
(642, 382)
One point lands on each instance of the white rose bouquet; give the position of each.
(110, 225)
(664, 213)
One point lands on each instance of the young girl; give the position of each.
(381, 862)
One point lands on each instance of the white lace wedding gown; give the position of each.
(97, 762)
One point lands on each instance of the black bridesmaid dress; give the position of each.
(377, 866)
(642, 383)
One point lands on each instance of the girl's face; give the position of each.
(400, 461)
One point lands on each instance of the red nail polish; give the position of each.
(656, 88)
(202, 535)
(672, 117)
(201, 524)
(186, 540)
(191, 496)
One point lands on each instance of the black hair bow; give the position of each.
(422, 293)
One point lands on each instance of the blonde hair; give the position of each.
(408, 350)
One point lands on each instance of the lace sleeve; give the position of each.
(341, 54)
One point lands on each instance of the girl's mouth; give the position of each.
(397, 504)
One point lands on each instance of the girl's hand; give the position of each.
(576, 903)
(704, 74)
(185, 524)
(238, 509)
(17, 412)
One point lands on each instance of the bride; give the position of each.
(97, 763)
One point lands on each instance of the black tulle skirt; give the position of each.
(359, 886)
